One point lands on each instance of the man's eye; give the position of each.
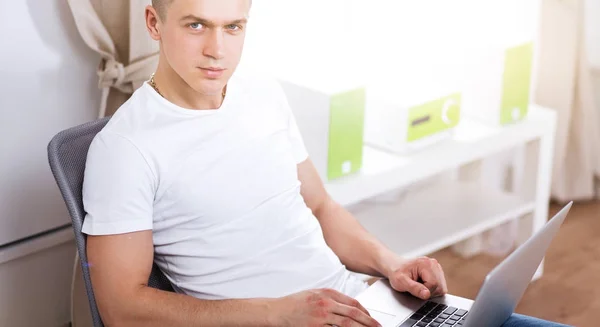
(196, 26)
(233, 27)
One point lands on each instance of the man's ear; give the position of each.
(152, 22)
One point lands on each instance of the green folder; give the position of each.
(516, 83)
(346, 128)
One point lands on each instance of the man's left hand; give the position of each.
(422, 277)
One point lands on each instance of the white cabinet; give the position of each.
(48, 83)
(35, 281)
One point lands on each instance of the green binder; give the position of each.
(346, 128)
(516, 83)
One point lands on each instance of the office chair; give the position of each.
(67, 154)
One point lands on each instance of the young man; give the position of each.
(205, 172)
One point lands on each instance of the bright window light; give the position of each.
(419, 45)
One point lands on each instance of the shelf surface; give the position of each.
(384, 171)
(438, 216)
(36, 244)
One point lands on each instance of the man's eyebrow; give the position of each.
(210, 23)
(239, 21)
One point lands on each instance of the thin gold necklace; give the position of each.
(153, 84)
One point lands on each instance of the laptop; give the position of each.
(501, 291)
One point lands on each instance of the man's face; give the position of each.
(202, 41)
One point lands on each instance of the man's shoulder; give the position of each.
(132, 117)
(125, 128)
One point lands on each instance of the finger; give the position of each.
(443, 283)
(345, 315)
(434, 290)
(338, 321)
(415, 288)
(433, 277)
(344, 299)
(428, 273)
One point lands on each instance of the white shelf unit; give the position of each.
(385, 171)
(444, 215)
(447, 213)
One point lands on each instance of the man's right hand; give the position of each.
(323, 307)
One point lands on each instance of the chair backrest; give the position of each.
(67, 155)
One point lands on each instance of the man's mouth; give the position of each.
(212, 72)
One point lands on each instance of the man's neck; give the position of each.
(173, 88)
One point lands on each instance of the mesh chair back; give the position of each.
(67, 155)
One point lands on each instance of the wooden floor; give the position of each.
(569, 291)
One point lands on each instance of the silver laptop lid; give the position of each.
(505, 285)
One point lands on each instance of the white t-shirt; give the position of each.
(219, 190)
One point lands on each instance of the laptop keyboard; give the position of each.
(436, 315)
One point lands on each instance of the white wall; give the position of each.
(47, 83)
(592, 18)
(412, 45)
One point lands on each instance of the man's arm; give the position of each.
(120, 266)
(360, 251)
(356, 247)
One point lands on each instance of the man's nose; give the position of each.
(214, 46)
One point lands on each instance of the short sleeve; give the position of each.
(118, 188)
(298, 146)
(300, 153)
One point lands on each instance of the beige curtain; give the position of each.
(116, 30)
(565, 83)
